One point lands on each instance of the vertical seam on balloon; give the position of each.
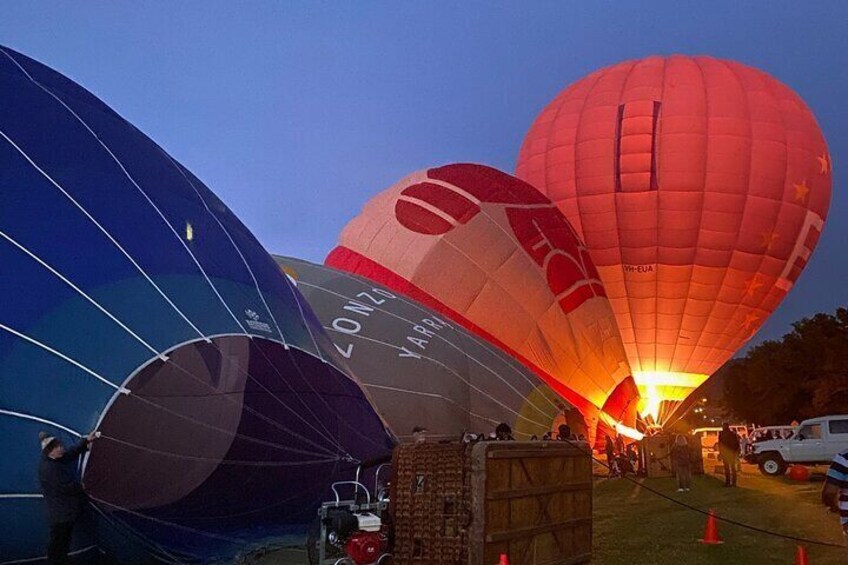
(104, 231)
(758, 307)
(82, 293)
(747, 184)
(658, 196)
(697, 63)
(620, 261)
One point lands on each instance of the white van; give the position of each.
(709, 436)
(815, 442)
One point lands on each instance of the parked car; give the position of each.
(815, 442)
(766, 433)
(709, 436)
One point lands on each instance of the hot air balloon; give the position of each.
(492, 254)
(421, 369)
(136, 303)
(700, 187)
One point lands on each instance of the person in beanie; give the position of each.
(63, 492)
(681, 461)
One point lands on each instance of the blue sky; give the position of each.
(296, 113)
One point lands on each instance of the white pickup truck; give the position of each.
(815, 442)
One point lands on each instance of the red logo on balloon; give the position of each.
(541, 229)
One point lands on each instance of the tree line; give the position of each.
(802, 375)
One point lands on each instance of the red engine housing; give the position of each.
(364, 547)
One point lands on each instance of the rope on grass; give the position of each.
(722, 518)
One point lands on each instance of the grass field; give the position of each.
(634, 526)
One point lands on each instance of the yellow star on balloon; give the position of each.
(801, 190)
(749, 320)
(752, 285)
(824, 163)
(768, 238)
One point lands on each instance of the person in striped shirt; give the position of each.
(835, 490)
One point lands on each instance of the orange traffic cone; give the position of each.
(711, 531)
(504, 560)
(801, 556)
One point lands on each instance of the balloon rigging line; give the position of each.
(39, 419)
(82, 293)
(158, 551)
(159, 354)
(493, 350)
(177, 236)
(743, 525)
(104, 231)
(210, 535)
(232, 242)
(457, 375)
(144, 194)
(500, 357)
(341, 420)
(576, 362)
(258, 441)
(62, 356)
(44, 557)
(221, 461)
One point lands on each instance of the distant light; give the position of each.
(704, 399)
(189, 232)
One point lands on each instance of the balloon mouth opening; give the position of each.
(663, 391)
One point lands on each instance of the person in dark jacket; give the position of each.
(681, 461)
(609, 451)
(728, 446)
(63, 492)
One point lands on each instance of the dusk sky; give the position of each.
(296, 113)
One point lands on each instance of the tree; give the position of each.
(802, 375)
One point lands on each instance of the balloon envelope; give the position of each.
(700, 187)
(136, 302)
(421, 369)
(494, 255)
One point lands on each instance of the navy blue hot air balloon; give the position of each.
(136, 303)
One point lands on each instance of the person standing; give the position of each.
(728, 445)
(835, 490)
(609, 450)
(681, 460)
(63, 492)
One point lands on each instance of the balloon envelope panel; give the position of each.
(421, 369)
(138, 302)
(700, 187)
(494, 255)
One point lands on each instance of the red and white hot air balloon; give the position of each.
(700, 187)
(496, 256)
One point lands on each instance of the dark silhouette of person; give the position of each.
(728, 446)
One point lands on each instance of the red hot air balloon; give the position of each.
(700, 187)
(493, 254)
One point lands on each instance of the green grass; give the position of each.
(633, 526)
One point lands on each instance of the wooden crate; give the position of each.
(529, 500)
